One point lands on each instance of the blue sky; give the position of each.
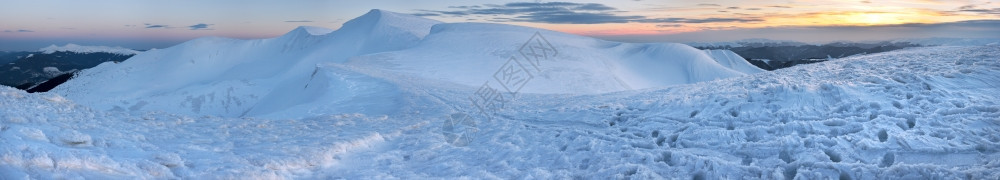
(142, 24)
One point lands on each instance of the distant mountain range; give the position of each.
(771, 54)
(757, 42)
(25, 70)
(934, 41)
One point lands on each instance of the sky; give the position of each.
(144, 24)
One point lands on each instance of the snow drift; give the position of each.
(319, 68)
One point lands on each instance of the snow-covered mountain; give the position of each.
(934, 41)
(87, 49)
(459, 51)
(392, 96)
(309, 72)
(918, 113)
(754, 42)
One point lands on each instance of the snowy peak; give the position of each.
(377, 16)
(310, 30)
(87, 49)
(379, 30)
(304, 35)
(379, 21)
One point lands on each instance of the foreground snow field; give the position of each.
(915, 113)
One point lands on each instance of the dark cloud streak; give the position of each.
(200, 26)
(154, 26)
(18, 31)
(972, 9)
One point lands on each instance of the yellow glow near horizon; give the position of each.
(866, 16)
(879, 18)
(875, 18)
(855, 18)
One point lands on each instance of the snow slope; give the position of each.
(919, 113)
(309, 72)
(87, 49)
(733, 61)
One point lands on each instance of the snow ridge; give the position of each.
(87, 49)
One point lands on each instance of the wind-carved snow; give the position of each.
(925, 112)
(87, 49)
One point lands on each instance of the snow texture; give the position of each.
(87, 49)
(357, 103)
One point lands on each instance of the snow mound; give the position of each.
(87, 49)
(309, 73)
(733, 61)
